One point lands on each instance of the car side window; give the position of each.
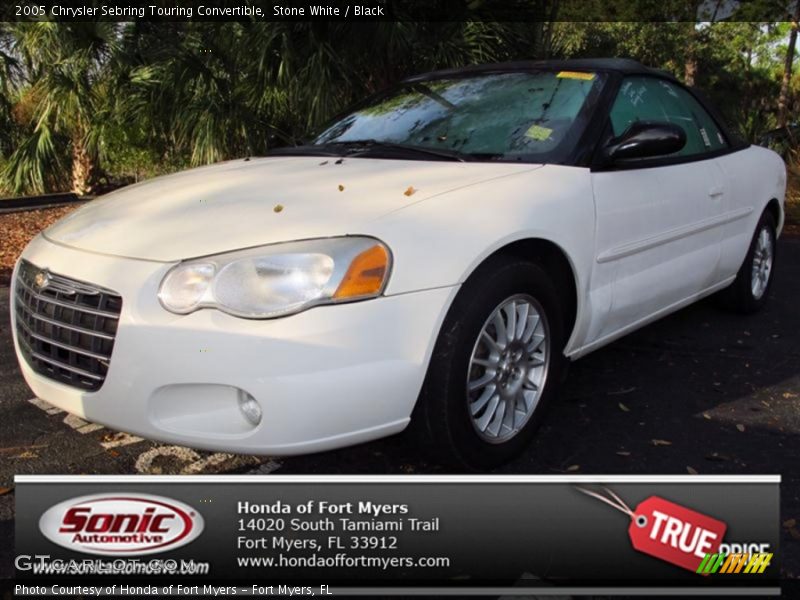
(654, 99)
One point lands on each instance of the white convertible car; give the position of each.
(436, 255)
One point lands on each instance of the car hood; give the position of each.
(245, 203)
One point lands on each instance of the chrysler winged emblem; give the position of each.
(56, 284)
(42, 279)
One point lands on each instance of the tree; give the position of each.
(220, 90)
(63, 65)
(136, 99)
(9, 74)
(783, 98)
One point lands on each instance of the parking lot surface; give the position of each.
(702, 391)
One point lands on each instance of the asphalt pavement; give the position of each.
(702, 391)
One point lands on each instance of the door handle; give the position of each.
(716, 192)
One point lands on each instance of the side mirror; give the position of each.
(645, 140)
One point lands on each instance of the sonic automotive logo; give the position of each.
(121, 524)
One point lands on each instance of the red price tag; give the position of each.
(674, 533)
(668, 531)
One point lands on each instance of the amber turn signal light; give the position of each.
(366, 274)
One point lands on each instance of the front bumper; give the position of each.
(329, 377)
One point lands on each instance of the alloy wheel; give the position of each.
(762, 263)
(508, 368)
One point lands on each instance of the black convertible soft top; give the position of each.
(625, 66)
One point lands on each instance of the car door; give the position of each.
(658, 237)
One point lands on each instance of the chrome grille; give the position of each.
(65, 328)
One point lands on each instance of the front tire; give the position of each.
(749, 291)
(496, 366)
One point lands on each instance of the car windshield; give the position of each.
(531, 115)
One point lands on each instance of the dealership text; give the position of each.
(169, 590)
(322, 507)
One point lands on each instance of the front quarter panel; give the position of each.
(441, 241)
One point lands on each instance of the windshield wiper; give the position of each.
(364, 147)
(361, 147)
(304, 150)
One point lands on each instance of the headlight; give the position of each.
(277, 280)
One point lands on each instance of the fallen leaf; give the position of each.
(661, 442)
(19, 228)
(341, 187)
(624, 408)
(691, 471)
(622, 391)
(717, 457)
(706, 416)
(740, 427)
(278, 208)
(623, 453)
(113, 453)
(573, 468)
(410, 191)
(4, 490)
(324, 162)
(790, 523)
(27, 454)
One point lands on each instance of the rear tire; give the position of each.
(496, 366)
(749, 291)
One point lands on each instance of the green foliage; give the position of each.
(9, 72)
(64, 65)
(119, 102)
